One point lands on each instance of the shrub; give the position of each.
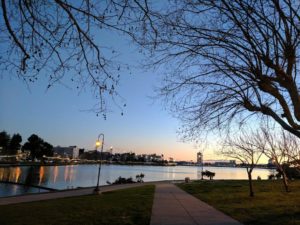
(139, 178)
(208, 174)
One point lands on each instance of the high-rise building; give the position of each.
(199, 158)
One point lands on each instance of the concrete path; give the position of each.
(173, 206)
(64, 194)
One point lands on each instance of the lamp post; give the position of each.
(202, 165)
(98, 143)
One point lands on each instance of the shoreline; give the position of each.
(5, 164)
(21, 164)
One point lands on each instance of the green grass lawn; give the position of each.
(128, 206)
(271, 205)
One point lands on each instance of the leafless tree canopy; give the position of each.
(282, 147)
(247, 148)
(228, 59)
(63, 39)
(277, 144)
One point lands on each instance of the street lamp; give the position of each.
(202, 165)
(98, 143)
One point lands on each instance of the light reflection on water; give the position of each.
(55, 173)
(72, 176)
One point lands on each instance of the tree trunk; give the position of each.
(285, 181)
(251, 193)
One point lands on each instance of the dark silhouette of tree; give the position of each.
(14, 144)
(64, 39)
(208, 174)
(38, 147)
(140, 177)
(34, 145)
(292, 172)
(247, 148)
(4, 141)
(47, 149)
(227, 60)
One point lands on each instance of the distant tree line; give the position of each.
(122, 180)
(38, 147)
(123, 157)
(9, 145)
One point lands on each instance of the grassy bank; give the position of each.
(128, 206)
(271, 205)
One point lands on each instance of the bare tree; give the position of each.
(227, 59)
(62, 39)
(277, 144)
(246, 150)
(292, 144)
(282, 147)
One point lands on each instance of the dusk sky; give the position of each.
(59, 115)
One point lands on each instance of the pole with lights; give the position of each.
(99, 143)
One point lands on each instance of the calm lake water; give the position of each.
(73, 176)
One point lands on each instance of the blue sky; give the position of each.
(59, 115)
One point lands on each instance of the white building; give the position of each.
(71, 152)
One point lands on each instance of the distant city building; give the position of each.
(199, 158)
(71, 152)
(185, 163)
(219, 162)
(153, 158)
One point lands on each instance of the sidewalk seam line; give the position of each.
(184, 207)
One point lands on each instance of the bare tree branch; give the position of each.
(227, 60)
(62, 40)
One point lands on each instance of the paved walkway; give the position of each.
(173, 206)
